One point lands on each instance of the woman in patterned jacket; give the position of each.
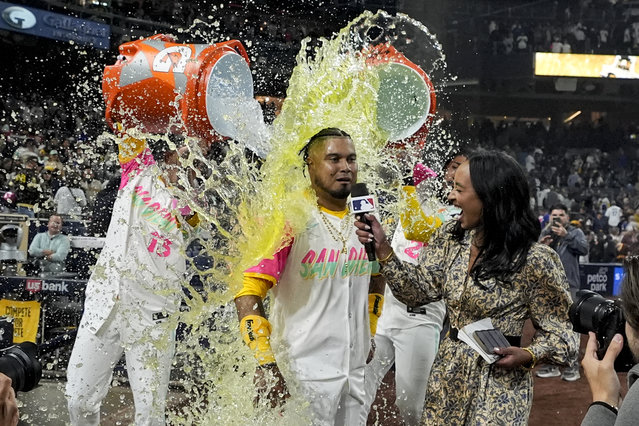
(486, 263)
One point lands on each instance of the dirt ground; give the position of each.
(555, 401)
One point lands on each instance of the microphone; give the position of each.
(363, 202)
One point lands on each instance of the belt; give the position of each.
(513, 340)
(416, 310)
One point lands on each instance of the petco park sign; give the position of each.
(603, 278)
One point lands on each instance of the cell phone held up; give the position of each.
(555, 237)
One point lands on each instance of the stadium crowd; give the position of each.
(588, 166)
(586, 26)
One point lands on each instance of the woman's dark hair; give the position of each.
(630, 291)
(333, 132)
(508, 223)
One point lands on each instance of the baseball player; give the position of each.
(322, 292)
(132, 293)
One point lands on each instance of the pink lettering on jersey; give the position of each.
(162, 251)
(413, 250)
(358, 264)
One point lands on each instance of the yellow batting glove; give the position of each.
(375, 303)
(256, 333)
(417, 225)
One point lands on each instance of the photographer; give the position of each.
(569, 242)
(601, 375)
(8, 405)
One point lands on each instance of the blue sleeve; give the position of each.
(62, 249)
(35, 249)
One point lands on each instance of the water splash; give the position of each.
(254, 207)
(246, 204)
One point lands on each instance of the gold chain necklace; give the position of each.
(338, 235)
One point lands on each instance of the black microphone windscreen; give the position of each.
(359, 190)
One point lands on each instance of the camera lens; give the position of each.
(588, 312)
(19, 362)
(591, 312)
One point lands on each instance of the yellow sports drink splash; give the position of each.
(372, 80)
(360, 84)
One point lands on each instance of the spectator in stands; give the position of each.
(522, 42)
(553, 197)
(90, 185)
(51, 247)
(46, 199)
(570, 243)
(6, 172)
(597, 243)
(27, 184)
(103, 207)
(557, 46)
(579, 33)
(611, 247)
(606, 408)
(613, 213)
(629, 245)
(53, 161)
(509, 42)
(565, 47)
(70, 198)
(599, 222)
(26, 150)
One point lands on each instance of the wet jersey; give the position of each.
(319, 313)
(140, 265)
(396, 314)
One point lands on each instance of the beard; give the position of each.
(341, 194)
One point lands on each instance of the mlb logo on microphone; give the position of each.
(363, 204)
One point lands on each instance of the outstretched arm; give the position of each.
(413, 285)
(256, 333)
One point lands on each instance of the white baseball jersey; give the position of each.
(395, 313)
(134, 288)
(140, 265)
(408, 339)
(319, 314)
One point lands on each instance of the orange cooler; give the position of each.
(160, 86)
(406, 100)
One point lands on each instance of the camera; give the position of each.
(19, 362)
(592, 312)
